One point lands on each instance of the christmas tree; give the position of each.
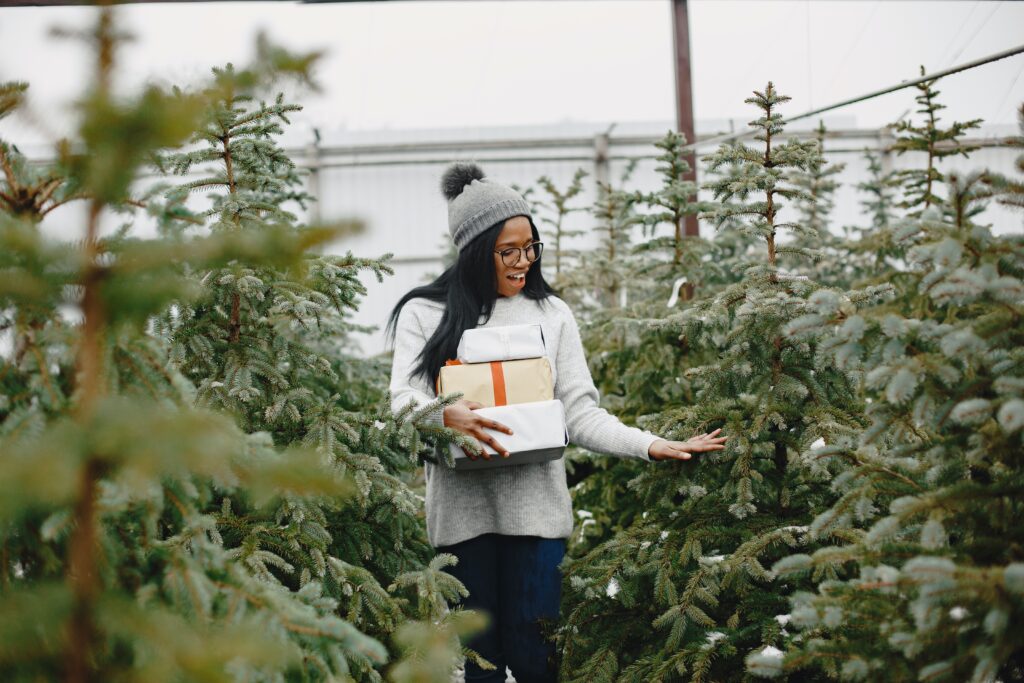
(268, 345)
(919, 185)
(598, 279)
(693, 564)
(922, 577)
(671, 204)
(872, 254)
(831, 265)
(154, 526)
(637, 368)
(556, 206)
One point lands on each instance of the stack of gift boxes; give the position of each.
(507, 370)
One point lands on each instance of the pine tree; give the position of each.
(831, 267)
(637, 369)
(556, 203)
(879, 188)
(108, 565)
(192, 549)
(1010, 191)
(693, 563)
(925, 565)
(602, 278)
(874, 252)
(268, 345)
(643, 369)
(671, 204)
(919, 184)
(732, 252)
(878, 256)
(605, 286)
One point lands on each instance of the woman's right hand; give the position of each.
(461, 416)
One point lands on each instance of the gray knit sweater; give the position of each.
(530, 499)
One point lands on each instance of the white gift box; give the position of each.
(507, 342)
(538, 435)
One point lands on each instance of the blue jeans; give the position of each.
(515, 580)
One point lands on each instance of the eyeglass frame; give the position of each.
(522, 254)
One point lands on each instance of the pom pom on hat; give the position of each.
(457, 176)
(473, 207)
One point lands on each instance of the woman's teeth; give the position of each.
(517, 278)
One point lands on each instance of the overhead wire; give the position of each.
(974, 35)
(1010, 52)
(999, 109)
(951, 44)
(854, 44)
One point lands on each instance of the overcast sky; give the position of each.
(481, 63)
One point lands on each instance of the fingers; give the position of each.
(684, 450)
(703, 446)
(470, 454)
(497, 426)
(487, 423)
(490, 441)
(674, 455)
(476, 429)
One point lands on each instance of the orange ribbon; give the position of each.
(498, 379)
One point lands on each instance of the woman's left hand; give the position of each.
(683, 450)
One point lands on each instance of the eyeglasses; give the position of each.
(511, 256)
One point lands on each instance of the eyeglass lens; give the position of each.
(511, 256)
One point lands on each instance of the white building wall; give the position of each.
(391, 180)
(398, 194)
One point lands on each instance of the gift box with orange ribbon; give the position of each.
(512, 379)
(499, 383)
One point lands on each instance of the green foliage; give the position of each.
(199, 482)
(1010, 191)
(672, 203)
(557, 205)
(920, 184)
(601, 276)
(926, 533)
(861, 523)
(827, 253)
(693, 564)
(194, 483)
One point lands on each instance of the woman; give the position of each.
(506, 525)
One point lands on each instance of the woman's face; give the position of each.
(515, 233)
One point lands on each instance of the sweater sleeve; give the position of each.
(409, 341)
(589, 425)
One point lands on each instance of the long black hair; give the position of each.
(468, 288)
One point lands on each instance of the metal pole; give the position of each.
(684, 97)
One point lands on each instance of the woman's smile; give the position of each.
(518, 278)
(516, 234)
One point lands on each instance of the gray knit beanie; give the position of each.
(476, 203)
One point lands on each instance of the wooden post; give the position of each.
(684, 94)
